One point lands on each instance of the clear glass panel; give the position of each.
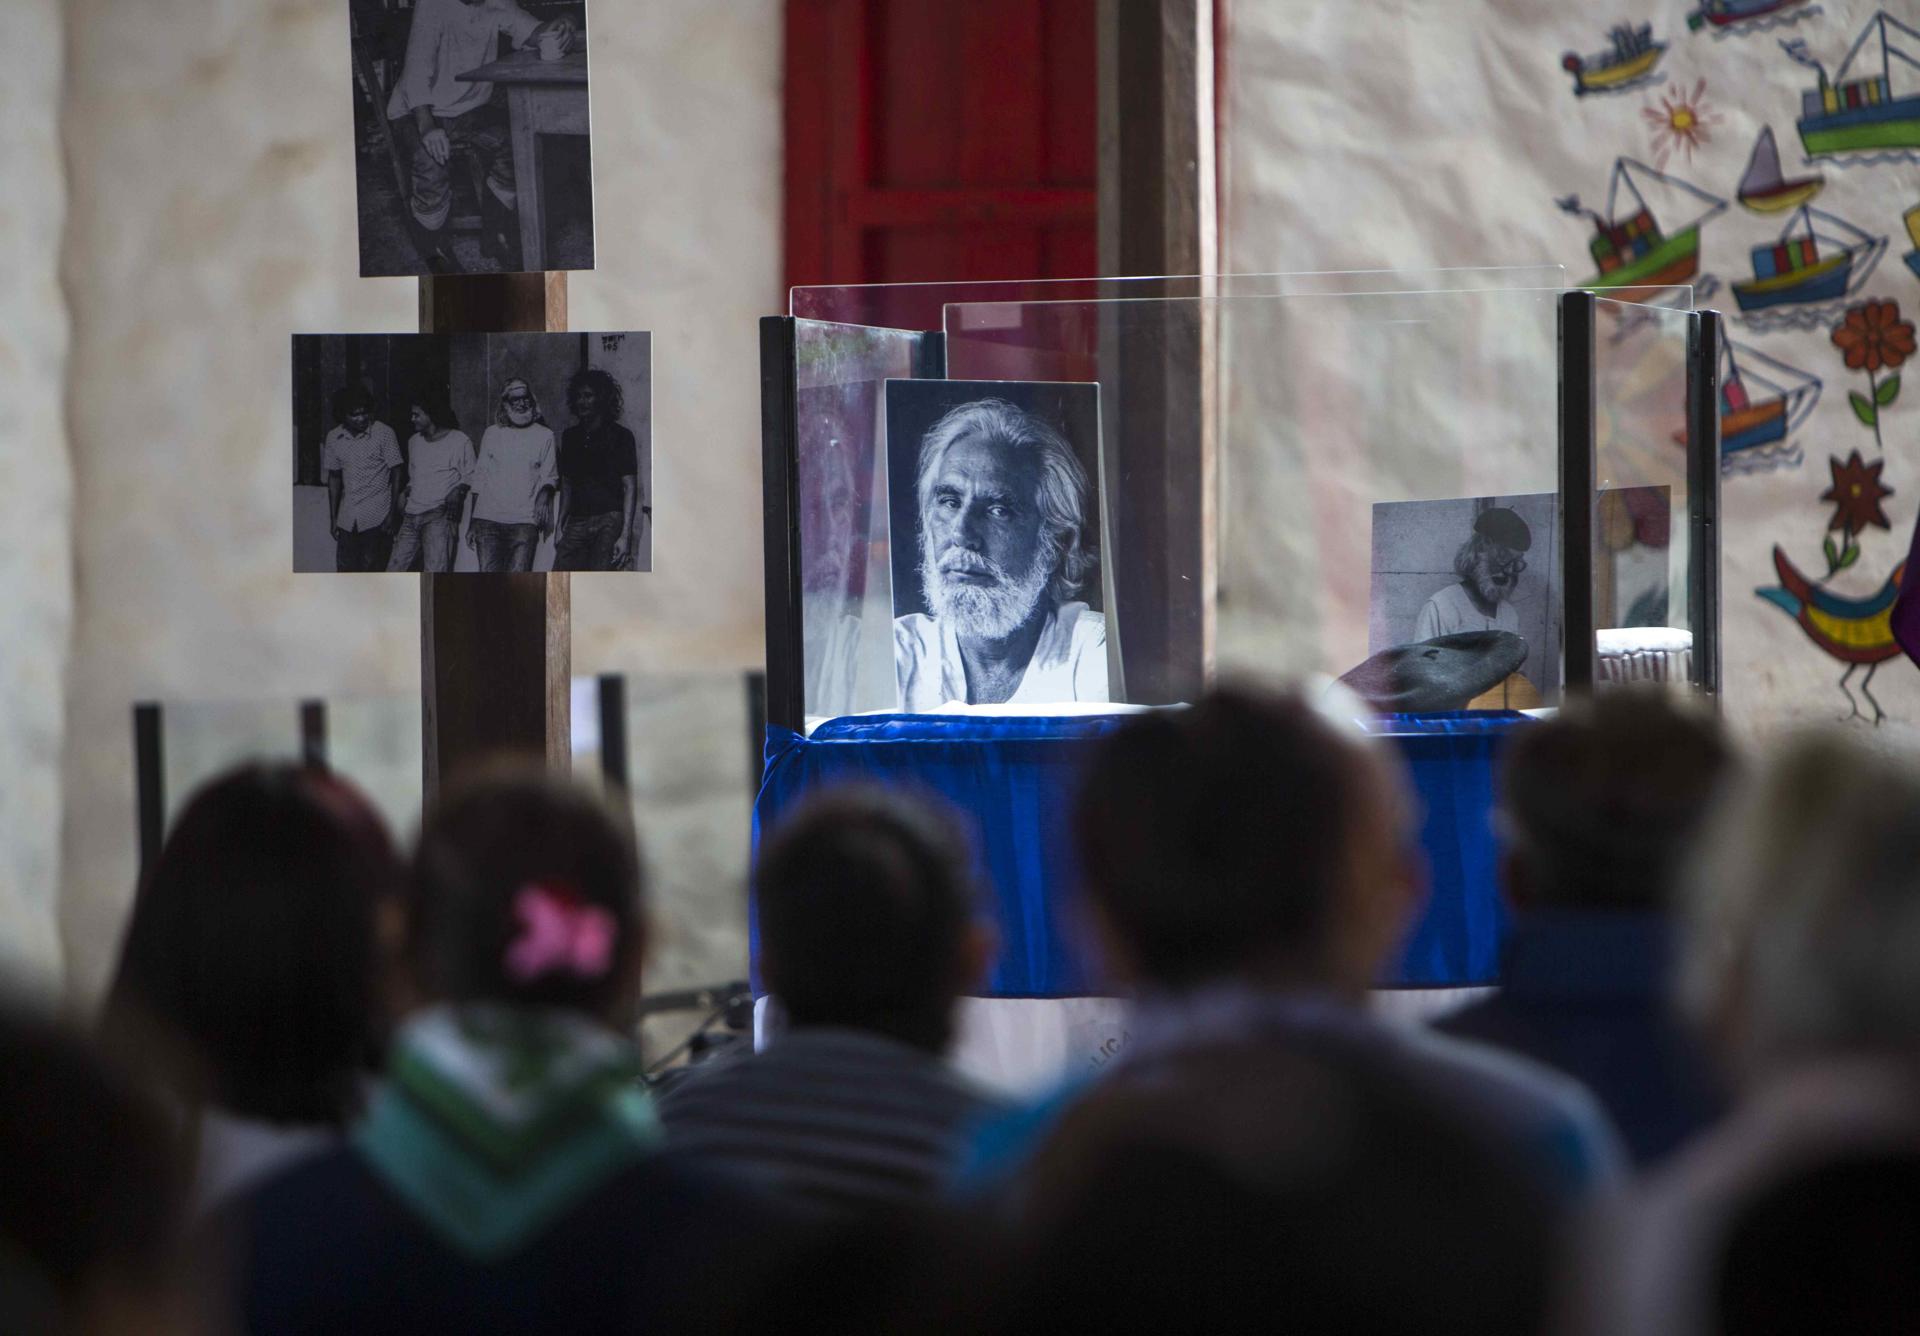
(693, 768)
(845, 592)
(375, 742)
(201, 739)
(1361, 440)
(918, 306)
(1642, 553)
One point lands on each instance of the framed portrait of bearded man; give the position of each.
(994, 509)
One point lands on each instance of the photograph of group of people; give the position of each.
(472, 452)
(471, 134)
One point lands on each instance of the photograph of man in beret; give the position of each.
(1487, 569)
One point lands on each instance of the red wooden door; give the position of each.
(928, 140)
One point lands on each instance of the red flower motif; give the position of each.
(1872, 335)
(1856, 493)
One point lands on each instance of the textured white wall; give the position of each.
(36, 581)
(209, 144)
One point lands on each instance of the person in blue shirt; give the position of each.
(1599, 808)
(1249, 866)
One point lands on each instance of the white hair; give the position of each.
(1804, 905)
(1062, 500)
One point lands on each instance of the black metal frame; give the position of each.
(1578, 650)
(780, 522)
(1704, 337)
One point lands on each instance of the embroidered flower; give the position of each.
(1856, 493)
(1872, 336)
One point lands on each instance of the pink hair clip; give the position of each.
(558, 931)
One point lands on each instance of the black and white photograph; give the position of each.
(472, 452)
(1484, 565)
(994, 509)
(471, 135)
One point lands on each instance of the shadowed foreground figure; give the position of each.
(507, 1177)
(1802, 965)
(1249, 868)
(868, 938)
(1599, 807)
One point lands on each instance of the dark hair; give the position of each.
(613, 400)
(89, 1183)
(433, 399)
(351, 398)
(485, 844)
(1210, 838)
(862, 901)
(1601, 804)
(1186, 1191)
(253, 939)
(1828, 1247)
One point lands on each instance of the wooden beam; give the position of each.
(1156, 196)
(496, 655)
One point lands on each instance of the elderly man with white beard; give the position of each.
(1003, 504)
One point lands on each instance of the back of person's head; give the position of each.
(253, 941)
(1314, 1187)
(526, 891)
(1601, 804)
(1829, 1247)
(90, 1191)
(1245, 834)
(866, 916)
(1804, 905)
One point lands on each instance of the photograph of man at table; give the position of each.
(463, 99)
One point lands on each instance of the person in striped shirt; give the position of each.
(868, 938)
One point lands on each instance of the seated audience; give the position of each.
(1236, 1185)
(1599, 807)
(250, 969)
(91, 1195)
(1250, 867)
(868, 937)
(1828, 1248)
(506, 1177)
(1802, 966)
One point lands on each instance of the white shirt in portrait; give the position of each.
(1069, 661)
(435, 468)
(1451, 611)
(514, 464)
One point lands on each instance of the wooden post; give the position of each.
(1157, 218)
(496, 652)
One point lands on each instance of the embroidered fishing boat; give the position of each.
(1867, 112)
(1764, 188)
(1636, 251)
(1629, 63)
(1795, 271)
(1762, 402)
(1726, 13)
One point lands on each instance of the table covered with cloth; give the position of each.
(1013, 779)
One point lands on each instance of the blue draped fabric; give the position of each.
(1014, 777)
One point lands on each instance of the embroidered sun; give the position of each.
(1681, 123)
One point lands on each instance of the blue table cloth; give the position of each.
(1014, 778)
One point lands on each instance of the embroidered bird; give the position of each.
(1856, 631)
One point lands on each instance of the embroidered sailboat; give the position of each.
(1764, 189)
(1635, 251)
(1863, 114)
(1726, 13)
(1631, 61)
(1793, 271)
(1763, 401)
